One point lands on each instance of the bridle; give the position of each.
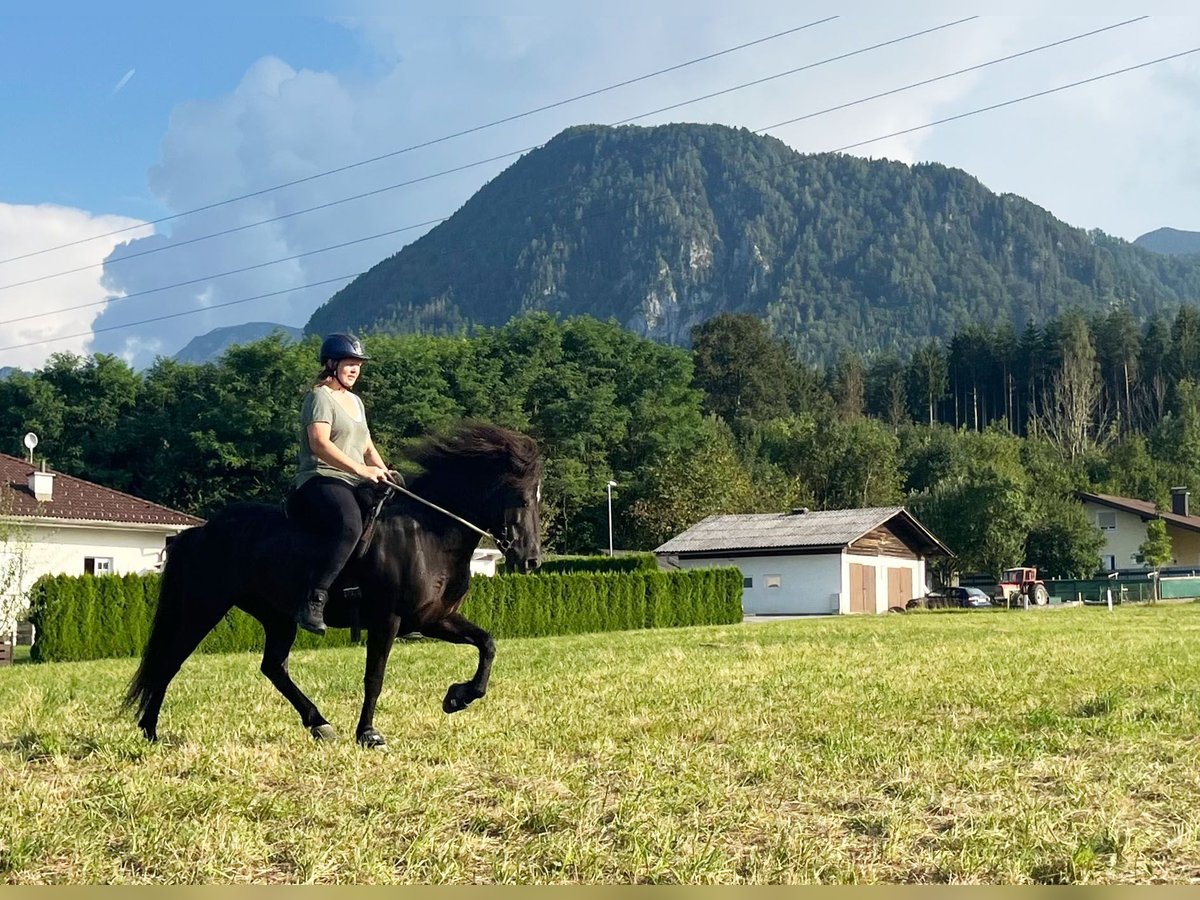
(507, 535)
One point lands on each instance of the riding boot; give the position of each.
(311, 616)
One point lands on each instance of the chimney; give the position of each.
(1179, 500)
(41, 484)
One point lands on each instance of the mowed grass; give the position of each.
(1048, 746)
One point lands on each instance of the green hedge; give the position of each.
(92, 617)
(630, 562)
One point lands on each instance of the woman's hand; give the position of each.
(373, 473)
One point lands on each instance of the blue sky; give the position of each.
(112, 121)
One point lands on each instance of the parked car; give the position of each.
(964, 597)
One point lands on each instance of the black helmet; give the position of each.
(342, 346)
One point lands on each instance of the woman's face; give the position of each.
(348, 371)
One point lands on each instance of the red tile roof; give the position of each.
(81, 500)
(1142, 508)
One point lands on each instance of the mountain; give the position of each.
(662, 228)
(1171, 241)
(209, 347)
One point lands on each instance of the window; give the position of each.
(773, 581)
(97, 565)
(1106, 521)
(747, 582)
(1108, 563)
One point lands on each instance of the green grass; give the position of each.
(1049, 746)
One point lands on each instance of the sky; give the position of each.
(116, 128)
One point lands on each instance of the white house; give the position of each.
(802, 562)
(1122, 521)
(52, 523)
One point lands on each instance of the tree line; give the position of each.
(986, 436)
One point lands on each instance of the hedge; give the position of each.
(93, 617)
(630, 562)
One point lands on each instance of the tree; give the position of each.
(928, 379)
(1064, 542)
(1071, 417)
(1155, 551)
(678, 491)
(14, 562)
(847, 385)
(744, 372)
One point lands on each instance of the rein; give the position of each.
(500, 542)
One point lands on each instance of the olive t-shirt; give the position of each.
(349, 434)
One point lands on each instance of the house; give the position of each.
(802, 562)
(484, 561)
(1122, 521)
(51, 523)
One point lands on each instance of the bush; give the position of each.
(92, 617)
(631, 562)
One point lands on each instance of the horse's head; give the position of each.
(491, 475)
(520, 536)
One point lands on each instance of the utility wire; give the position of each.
(432, 142)
(436, 221)
(204, 278)
(844, 147)
(408, 183)
(443, 218)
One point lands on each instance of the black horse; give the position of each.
(412, 577)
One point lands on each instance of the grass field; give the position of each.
(1047, 746)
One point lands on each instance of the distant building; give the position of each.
(57, 524)
(1122, 521)
(802, 562)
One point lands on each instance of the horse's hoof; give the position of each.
(372, 740)
(323, 733)
(459, 697)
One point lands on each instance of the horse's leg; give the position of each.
(380, 637)
(280, 636)
(457, 630)
(181, 644)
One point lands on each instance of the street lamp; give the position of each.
(610, 486)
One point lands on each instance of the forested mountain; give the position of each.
(662, 228)
(1170, 241)
(209, 346)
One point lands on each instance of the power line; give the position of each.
(798, 69)
(423, 178)
(843, 148)
(262, 265)
(432, 142)
(443, 218)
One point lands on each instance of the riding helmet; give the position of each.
(342, 346)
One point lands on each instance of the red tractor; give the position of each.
(1020, 583)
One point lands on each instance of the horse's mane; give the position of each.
(514, 455)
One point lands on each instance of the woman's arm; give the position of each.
(327, 451)
(371, 455)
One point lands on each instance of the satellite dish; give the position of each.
(31, 440)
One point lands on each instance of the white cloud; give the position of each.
(24, 229)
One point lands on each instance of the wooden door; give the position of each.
(862, 588)
(899, 587)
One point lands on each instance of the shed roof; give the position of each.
(79, 500)
(798, 530)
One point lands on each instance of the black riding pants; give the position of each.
(329, 510)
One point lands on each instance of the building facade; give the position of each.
(53, 524)
(810, 563)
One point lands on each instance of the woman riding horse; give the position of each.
(413, 576)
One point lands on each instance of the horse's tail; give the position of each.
(169, 619)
